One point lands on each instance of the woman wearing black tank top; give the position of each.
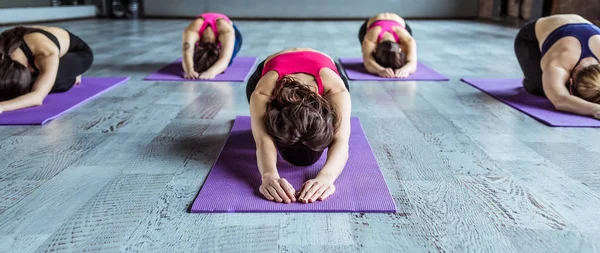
(36, 61)
(559, 58)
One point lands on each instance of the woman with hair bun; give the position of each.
(210, 43)
(299, 105)
(38, 60)
(388, 47)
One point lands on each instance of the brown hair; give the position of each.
(301, 122)
(587, 84)
(205, 55)
(15, 79)
(388, 55)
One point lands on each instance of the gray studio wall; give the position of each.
(312, 8)
(23, 3)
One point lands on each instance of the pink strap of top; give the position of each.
(386, 26)
(307, 62)
(211, 19)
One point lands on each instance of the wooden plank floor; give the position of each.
(469, 174)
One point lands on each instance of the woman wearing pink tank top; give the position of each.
(388, 47)
(210, 43)
(299, 105)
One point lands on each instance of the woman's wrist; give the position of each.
(270, 175)
(326, 176)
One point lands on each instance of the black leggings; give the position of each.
(528, 53)
(74, 63)
(255, 77)
(363, 31)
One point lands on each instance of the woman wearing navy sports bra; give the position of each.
(388, 47)
(565, 66)
(299, 105)
(35, 61)
(210, 43)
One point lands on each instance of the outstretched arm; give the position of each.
(411, 56)
(227, 39)
(273, 187)
(189, 38)
(554, 79)
(322, 186)
(48, 65)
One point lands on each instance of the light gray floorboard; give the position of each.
(468, 173)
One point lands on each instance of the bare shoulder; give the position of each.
(332, 82)
(224, 25)
(40, 44)
(195, 24)
(266, 84)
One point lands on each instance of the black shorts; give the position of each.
(527, 49)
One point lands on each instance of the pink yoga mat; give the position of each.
(511, 92)
(60, 103)
(355, 70)
(232, 185)
(239, 71)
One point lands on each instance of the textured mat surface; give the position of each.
(60, 103)
(239, 71)
(511, 92)
(232, 185)
(355, 70)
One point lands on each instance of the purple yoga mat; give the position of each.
(355, 70)
(60, 103)
(232, 185)
(238, 72)
(511, 92)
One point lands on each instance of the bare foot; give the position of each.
(78, 80)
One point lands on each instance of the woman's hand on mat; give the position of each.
(207, 75)
(191, 75)
(319, 188)
(387, 72)
(401, 73)
(278, 189)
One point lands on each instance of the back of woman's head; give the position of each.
(205, 55)
(388, 55)
(300, 120)
(15, 78)
(587, 84)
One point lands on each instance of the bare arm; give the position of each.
(266, 152)
(227, 39)
(48, 65)
(322, 186)
(368, 47)
(189, 38)
(273, 187)
(411, 54)
(337, 155)
(554, 79)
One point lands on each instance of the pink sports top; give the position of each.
(211, 19)
(386, 26)
(307, 62)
